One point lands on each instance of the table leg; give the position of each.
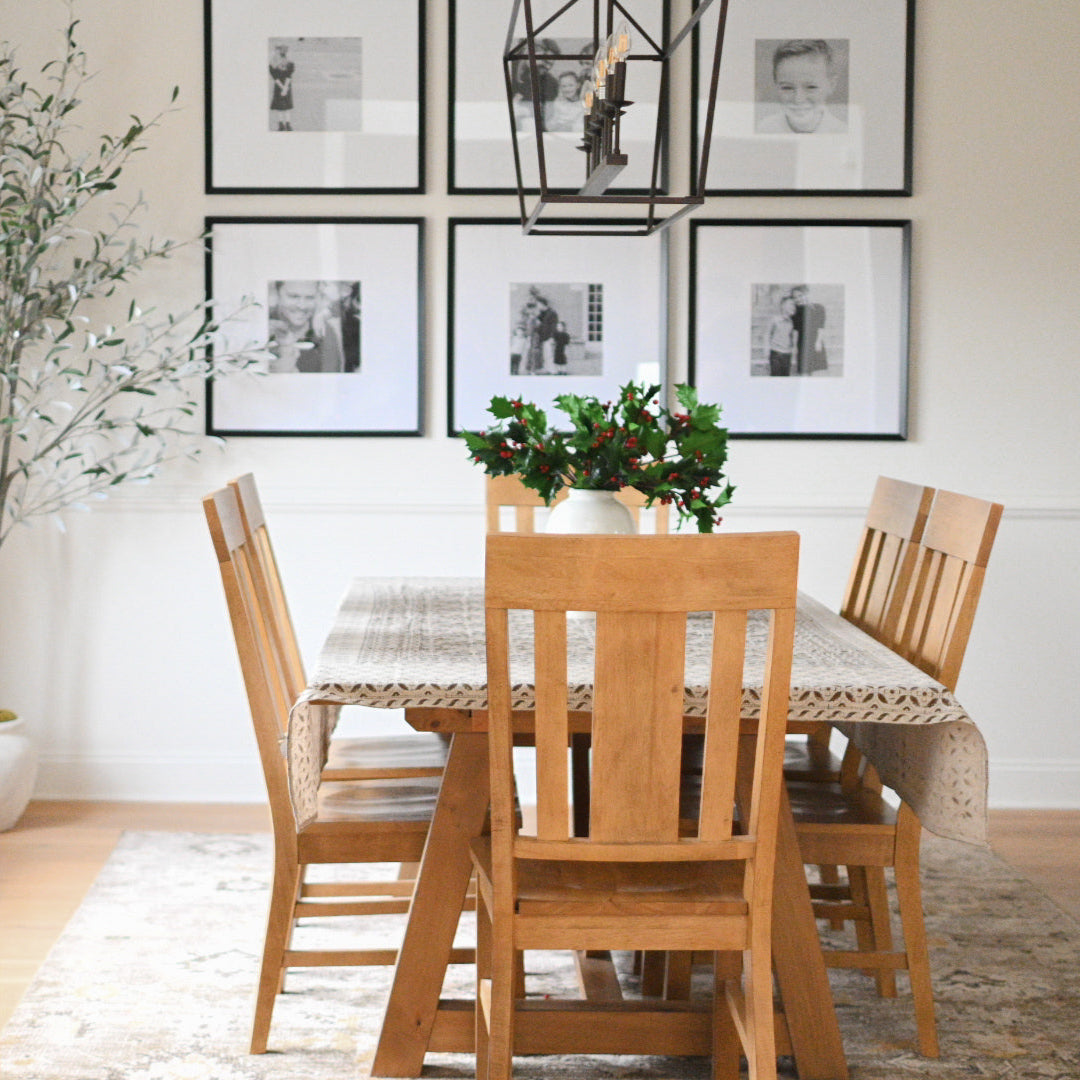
(436, 908)
(799, 965)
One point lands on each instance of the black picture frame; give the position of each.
(608, 291)
(480, 147)
(341, 300)
(841, 72)
(352, 79)
(844, 288)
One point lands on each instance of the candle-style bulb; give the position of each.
(622, 40)
(600, 71)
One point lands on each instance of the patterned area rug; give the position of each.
(153, 980)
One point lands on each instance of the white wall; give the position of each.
(113, 636)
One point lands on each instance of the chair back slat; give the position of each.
(947, 578)
(881, 573)
(268, 583)
(642, 589)
(553, 736)
(725, 712)
(637, 726)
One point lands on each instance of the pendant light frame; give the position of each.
(604, 160)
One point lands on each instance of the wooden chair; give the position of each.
(876, 588)
(359, 821)
(508, 492)
(368, 758)
(850, 824)
(634, 882)
(875, 591)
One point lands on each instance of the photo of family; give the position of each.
(314, 326)
(315, 84)
(797, 329)
(556, 329)
(561, 74)
(801, 86)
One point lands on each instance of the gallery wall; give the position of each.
(113, 636)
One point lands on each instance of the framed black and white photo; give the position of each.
(313, 97)
(533, 317)
(814, 97)
(481, 146)
(339, 303)
(800, 328)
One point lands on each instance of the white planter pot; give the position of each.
(596, 512)
(18, 771)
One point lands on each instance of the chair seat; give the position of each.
(588, 888)
(386, 753)
(379, 801)
(805, 759)
(369, 821)
(828, 804)
(838, 828)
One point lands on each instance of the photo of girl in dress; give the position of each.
(556, 329)
(797, 329)
(315, 84)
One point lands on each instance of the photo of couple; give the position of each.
(797, 330)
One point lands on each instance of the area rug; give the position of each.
(153, 980)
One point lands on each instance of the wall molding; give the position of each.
(1017, 783)
(162, 497)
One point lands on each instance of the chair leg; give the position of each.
(877, 899)
(292, 926)
(830, 875)
(483, 992)
(678, 968)
(760, 1018)
(726, 1047)
(909, 894)
(501, 1008)
(652, 973)
(519, 975)
(873, 931)
(278, 930)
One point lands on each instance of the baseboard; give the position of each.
(223, 780)
(1035, 785)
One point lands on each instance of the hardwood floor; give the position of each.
(50, 859)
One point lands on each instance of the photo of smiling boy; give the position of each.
(801, 87)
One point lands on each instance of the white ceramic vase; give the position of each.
(596, 512)
(18, 771)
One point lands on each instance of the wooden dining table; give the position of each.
(417, 644)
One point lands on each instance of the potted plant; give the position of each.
(18, 768)
(671, 457)
(86, 403)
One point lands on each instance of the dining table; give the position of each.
(417, 644)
